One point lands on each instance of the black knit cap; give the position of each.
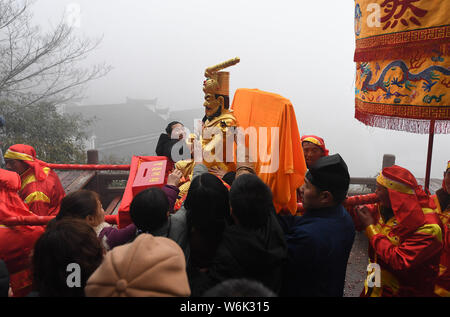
(330, 173)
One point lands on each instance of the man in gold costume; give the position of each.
(217, 126)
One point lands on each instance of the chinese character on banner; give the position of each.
(395, 11)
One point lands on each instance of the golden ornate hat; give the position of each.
(217, 85)
(223, 79)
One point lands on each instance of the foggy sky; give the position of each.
(302, 50)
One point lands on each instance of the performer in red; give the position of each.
(17, 243)
(41, 188)
(442, 200)
(405, 237)
(313, 149)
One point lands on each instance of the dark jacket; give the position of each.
(252, 254)
(112, 236)
(319, 244)
(165, 145)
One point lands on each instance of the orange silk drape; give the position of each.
(256, 108)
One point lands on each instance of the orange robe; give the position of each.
(18, 242)
(409, 264)
(42, 197)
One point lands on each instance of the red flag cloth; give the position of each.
(17, 243)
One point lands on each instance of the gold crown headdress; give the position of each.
(217, 83)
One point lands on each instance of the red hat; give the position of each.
(27, 154)
(317, 141)
(407, 198)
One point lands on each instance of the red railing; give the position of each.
(350, 201)
(42, 220)
(114, 219)
(89, 167)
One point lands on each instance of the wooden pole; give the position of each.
(92, 157)
(429, 157)
(388, 160)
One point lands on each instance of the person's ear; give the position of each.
(90, 219)
(326, 197)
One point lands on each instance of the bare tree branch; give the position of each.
(36, 66)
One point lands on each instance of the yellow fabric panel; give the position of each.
(37, 196)
(388, 183)
(17, 156)
(386, 228)
(32, 178)
(28, 180)
(427, 211)
(387, 280)
(431, 229)
(441, 291)
(372, 230)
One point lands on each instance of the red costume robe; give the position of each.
(41, 188)
(43, 197)
(409, 264)
(408, 246)
(16, 243)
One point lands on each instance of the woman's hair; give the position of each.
(229, 177)
(170, 126)
(149, 208)
(67, 242)
(207, 206)
(251, 201)
(79, 204)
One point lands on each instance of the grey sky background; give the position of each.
(302, 50)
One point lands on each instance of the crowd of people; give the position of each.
(226, 239)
